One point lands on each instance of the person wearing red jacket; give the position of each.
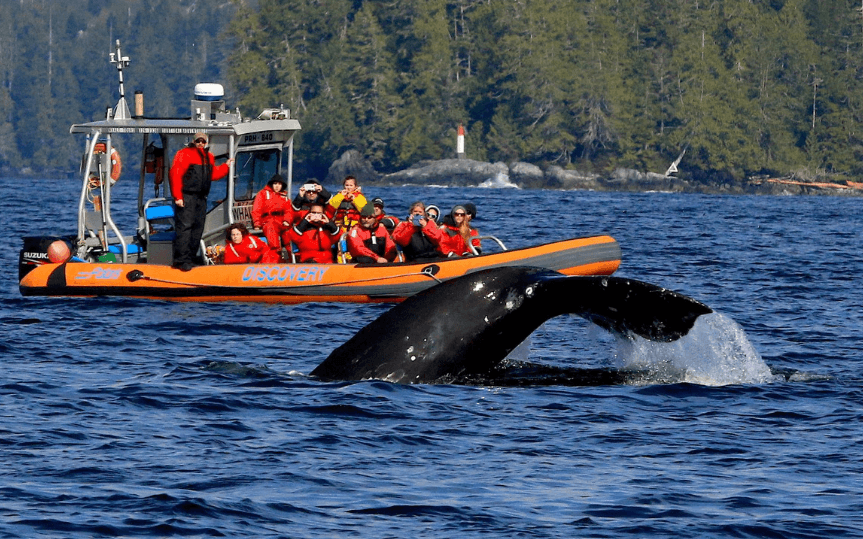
(315, 236)
(369, 242)
(458, 233)
(243, 248)
(272, 213)
(419, 237)
(193, 170)
(388, 221)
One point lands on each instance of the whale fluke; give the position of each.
(467, 326)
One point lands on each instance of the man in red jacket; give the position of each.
(315, 236)
(369, 242)
(192, 171)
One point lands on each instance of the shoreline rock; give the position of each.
(470, 173)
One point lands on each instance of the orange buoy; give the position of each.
(116, 162)
(58, 252)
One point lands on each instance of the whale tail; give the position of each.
(629, 307)
(488, 313)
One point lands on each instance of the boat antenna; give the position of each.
(122, 111)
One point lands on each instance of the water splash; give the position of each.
(499, 181)
(715, 352)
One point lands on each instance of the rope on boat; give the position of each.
(138, 275)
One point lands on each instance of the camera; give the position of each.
(309, 187)
(416, 219)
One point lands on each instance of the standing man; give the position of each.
(192, 172)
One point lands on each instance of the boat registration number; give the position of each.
(284, 273)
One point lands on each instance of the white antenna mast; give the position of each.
(122, 111)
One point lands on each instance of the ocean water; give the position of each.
(127, 418)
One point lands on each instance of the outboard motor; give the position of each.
(35, 252)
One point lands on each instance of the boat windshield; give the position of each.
(253, 170)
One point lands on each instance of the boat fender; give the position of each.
(116, 162)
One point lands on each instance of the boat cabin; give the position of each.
(261, 146)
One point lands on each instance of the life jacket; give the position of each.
(314, 243)
(270, 205)
(346, 213)
(376, 244)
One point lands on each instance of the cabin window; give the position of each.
(253, 171)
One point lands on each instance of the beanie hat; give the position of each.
(368, 210)
(456, 208)
(378, 201)
(470, 209)
(277, 178)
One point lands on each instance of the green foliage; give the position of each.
(748, 87)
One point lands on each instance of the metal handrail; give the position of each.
(488, 237)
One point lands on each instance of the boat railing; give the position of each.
(210, 235)
(488, 237)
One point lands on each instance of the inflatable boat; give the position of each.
(101, 259)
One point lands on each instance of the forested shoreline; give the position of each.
(749, 88)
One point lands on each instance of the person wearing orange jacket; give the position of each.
(272, 213)
(369, 242)
(192, 171)
(243, 248)
(315, 236)
(344, 207)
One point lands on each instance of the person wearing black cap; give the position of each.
(369, 242)
(470, 208)
(193, 170)
(388, 221)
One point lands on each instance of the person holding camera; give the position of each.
(369, 242)
(345, 205)
(419, 237)
(310, 193)
(315, 236)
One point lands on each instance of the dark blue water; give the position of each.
(154, 419)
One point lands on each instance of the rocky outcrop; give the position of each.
(561, 178)
(351, 163)
(455, 172)
(470, 173)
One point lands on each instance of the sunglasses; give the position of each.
(200, 141)
(432, 216)
(459, 214)
(367, 217)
